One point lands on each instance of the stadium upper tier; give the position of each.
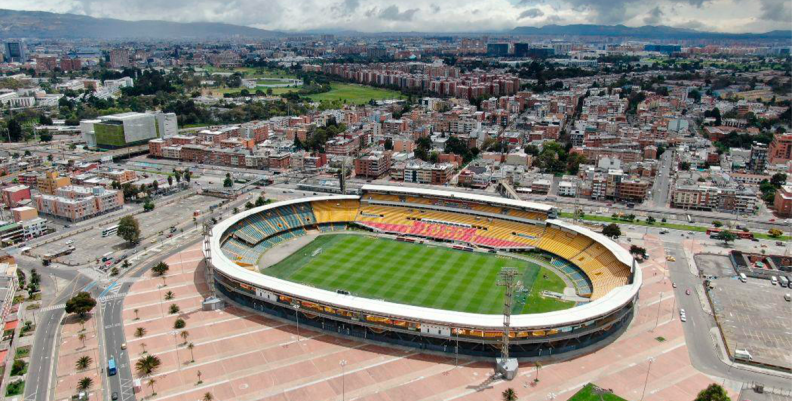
(479, 221)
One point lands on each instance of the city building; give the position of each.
(51, 182)
(783, 201)
(15, 194)
(77, 203)
(427, 173)
(129, 129)
(758, 159)
(780, 150)
(373, 165)
(14, 52)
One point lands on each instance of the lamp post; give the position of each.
(297, 316)
(343, 379)
(651, 359)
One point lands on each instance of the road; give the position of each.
(662, 183)
(703, 354)
(42, 357)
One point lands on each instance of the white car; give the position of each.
(683, 318)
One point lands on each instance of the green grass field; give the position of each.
(430, 276)
(590, 393)
(357, 94)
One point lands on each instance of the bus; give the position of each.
(112, 230)
(740, 234)
(111, 367)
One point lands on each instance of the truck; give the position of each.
(783, 281)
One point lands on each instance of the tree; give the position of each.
(612, 230)
(136, 314)
(14, 130)
(129, 229)
(82, 338)
(174, 309)
(83, 362)
(151, 383)
(170, 180)
(187, 176)
(190, 347)
(45, 136)
(140, 332)
(388, 144)
(509, 395)
(684, 166)
(717, 224)
(148, 206)
(178, 175)
(650, 220)
(85, 383)
(179, 324)
(169, 295)
(638, 251)
(713, 392)
(778, 179)
(80, 304)
(775, 233)
(208, 397)
(728, 236)
(147, 365)
(160, 268)
(184, 334)
(228, 182)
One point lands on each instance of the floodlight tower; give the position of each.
(506, 366)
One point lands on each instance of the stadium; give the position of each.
(419, 268)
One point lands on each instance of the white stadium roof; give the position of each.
(613, 300)
(458, 195)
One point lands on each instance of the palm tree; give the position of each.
(199, 377)
(143, 345)
(147, 365)
(509, 395)
(151, 383)
(184, 334)
(140, 332)
(82, 337)
(208, 397)
(82, 324)
(84, 362)
(85, 383)
(538, 366)
(190, 347)
(136, 314)
(169, 295)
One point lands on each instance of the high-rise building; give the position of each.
(780, 150)
(119, 58)
(497, 49)
(758, 159)
(14, 52)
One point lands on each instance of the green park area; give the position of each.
(591, 392)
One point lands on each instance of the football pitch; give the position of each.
(416, 274)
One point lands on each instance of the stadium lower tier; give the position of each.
(561, 342)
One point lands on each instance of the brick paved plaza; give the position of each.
(249, 357)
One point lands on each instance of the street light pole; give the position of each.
(651, 359)
(343, 379)
(297, 316)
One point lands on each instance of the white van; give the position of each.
(743, 278)
(774, 280)
(788, 297)
(742, 354)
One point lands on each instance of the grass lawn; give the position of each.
(250, 72)
(590, 393)
(357, 94)
(430, 276)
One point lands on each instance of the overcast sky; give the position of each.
(436, 15)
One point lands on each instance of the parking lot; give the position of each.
(92, 246)
(715, 265)
(754, 316)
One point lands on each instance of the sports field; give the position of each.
(430, 276)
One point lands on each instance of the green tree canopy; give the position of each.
(80, 304)
(129, 229)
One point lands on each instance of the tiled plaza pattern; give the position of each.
(249, 357)
(71, 349)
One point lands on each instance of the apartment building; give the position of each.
(373, 165)
(51, 182)
(780, 150)
(731, 199)
(427, 173)
(15, 194)
(77, 203)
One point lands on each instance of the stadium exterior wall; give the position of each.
(534, 335)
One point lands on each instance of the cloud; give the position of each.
(392, 13)
(434, 15)
(654, 17)
(531, 13)
(693, 24)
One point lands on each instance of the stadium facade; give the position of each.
(600, 269)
